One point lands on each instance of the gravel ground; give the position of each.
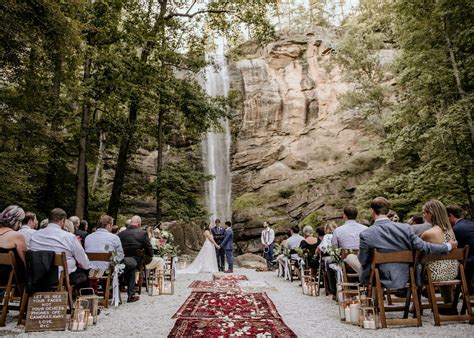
(306, 316)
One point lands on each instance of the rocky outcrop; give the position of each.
(250, 261)
(296, 158)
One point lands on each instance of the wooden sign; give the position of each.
(47, 312)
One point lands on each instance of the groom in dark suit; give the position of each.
(218, 234)
(228, 246)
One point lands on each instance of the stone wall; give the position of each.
(296, 158)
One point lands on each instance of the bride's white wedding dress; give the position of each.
(205, 261)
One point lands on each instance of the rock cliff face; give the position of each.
(296, 159)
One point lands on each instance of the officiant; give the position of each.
(267, 238)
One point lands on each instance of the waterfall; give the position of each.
(216, 146)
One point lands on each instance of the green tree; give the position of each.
(429, 149)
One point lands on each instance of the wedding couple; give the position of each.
(215, 251)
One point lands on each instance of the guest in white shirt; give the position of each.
(55, 238)
(344, 237)
(294, 241)
(28, 227)
(267, 238)
(103, 240)
(347, 235)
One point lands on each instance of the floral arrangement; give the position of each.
(281, 250)
(115, 259)
(168, 236)
(167, 250)
(335, 254)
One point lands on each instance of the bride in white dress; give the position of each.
(206, 260)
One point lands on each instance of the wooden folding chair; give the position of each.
(348, 274)
(460, 284)
(60, 261)
(103, 257)
(8, 259)
(292, 268)
(407, 257)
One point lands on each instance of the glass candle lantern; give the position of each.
(87, 296)
(153, 285)
(166, 282)
(368, 317)
(349, 296)
(80, 316)
(308, 285)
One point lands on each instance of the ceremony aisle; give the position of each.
(226, 309)
(306, 316)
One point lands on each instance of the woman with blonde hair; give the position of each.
(326, 241)
(435, 213)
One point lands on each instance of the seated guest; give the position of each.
(320, 233)
(393, 216)
(281, 258)
(11, 240)
(28, 227)
(464, 231)
(54, 238)
(435, 214)
(389, 236)
(134, 238)
(69, 226)
(102, 240)
(418, 224)
(84, 226)
(347, 235)
(294, 242)
(325, 244)
(76, 222)
(309, 244)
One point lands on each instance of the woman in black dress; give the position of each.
(309, 245)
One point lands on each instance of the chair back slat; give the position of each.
(7, 258)
(392, 257)
(58, 259)
(99, 256)
(459, 254)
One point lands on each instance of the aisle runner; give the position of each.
(231, 305)
(229, 278)
(220, 313)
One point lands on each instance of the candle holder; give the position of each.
(87, 296)
(79, 320)
(153, 285)
(182, 264)
(166, 282)
(310, 287)
(368, 315)
(349, 297)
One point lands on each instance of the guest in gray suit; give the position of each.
(228, 246)
(387, 236)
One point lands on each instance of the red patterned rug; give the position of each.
(215, 286)
(228, 305)
(221, 328)
(229, 277)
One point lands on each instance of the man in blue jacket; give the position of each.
(228, 246)
(464, 231)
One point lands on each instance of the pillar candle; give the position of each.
(354, 313)
(347, 314)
